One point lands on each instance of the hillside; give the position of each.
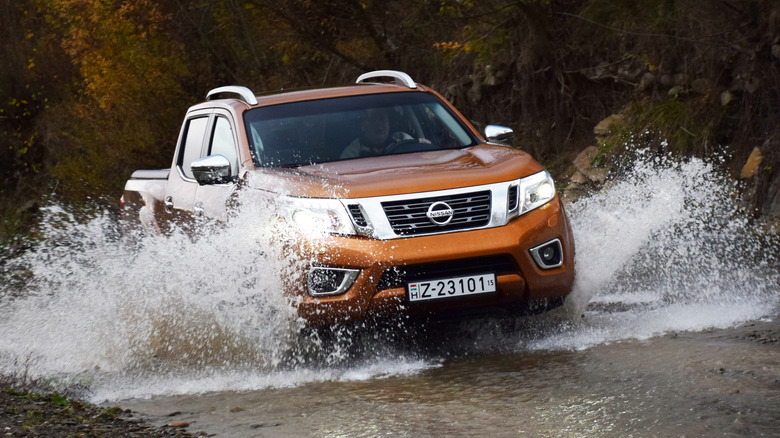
(91, 90)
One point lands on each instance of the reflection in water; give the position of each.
(658, 388)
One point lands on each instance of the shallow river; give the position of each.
(655, 339)
(718, 383)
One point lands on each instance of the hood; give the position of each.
(400, 174)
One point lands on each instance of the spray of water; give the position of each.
(100, 306)
(666, 246)
(663, 248)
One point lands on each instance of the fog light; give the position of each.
(324, 281)
(548, 255)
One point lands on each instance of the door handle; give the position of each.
(169, 204)
(198, 209)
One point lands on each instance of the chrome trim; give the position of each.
(379, 226)
(347, 282)
(364, 230)
(512, 212)
(399, 76)
(538, 258)
(246, 94)
(499, 134)
(434, 215)
(213, 169)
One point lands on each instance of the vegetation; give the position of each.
(92, 89)
(26, 413)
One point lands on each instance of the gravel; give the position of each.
(24, 413)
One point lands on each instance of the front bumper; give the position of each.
(386, 265)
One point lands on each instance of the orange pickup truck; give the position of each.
(476, 226)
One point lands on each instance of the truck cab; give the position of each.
(475, 225)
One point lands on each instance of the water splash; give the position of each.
(99, 305)
(664, 247)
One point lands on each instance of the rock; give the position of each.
(727, 97)
(180, 424)
(236, 409)
(667, 80)
(751, 166)
(647, 81)
(605, 127)
(31, 206)
(578, 178)
(701, 86)
(584, 165)
(676, 90)
(492, 77)
(629, 72)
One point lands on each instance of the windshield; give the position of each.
(321, 131)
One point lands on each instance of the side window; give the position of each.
(222, 143)
(193, 144)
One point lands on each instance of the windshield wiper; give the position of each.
(294, 165)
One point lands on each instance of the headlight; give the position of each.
(535, 191)
(314, 215)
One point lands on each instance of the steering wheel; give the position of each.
(397, 146)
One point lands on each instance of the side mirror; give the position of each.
(499, 134)
(214, 169)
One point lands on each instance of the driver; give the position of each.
(376, 137)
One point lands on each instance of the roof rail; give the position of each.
(246, 94)
(399, 76)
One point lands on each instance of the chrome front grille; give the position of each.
(411, 217)
(434, 212)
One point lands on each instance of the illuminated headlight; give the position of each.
(315, 215)
(535, 191)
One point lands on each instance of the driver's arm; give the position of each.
(400, 136)
(351, 151)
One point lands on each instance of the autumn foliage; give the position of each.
(92, 89)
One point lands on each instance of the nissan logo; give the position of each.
(440, 213)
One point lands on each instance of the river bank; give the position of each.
(24, 413)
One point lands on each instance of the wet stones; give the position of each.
(751, 166)
(180, 424)
(763, 336)
(30, 414)
(762, 184)
(607, 126)
(587, 161)
(586, 171)
(585, 176)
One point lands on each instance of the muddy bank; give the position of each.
(27, 414)
(715, 382)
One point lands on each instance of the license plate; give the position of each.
(451, 287)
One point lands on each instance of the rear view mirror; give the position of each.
(214, 169)
(499, 134)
